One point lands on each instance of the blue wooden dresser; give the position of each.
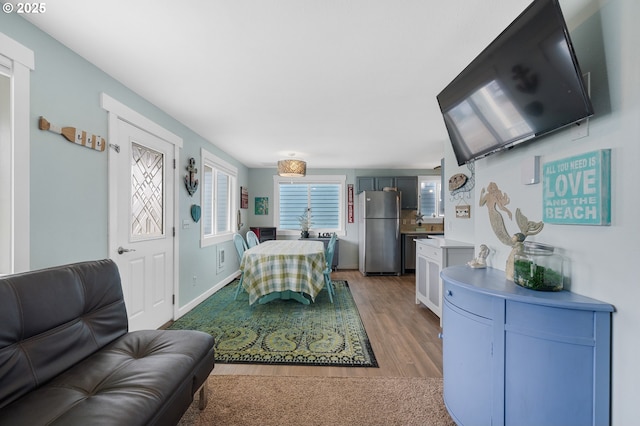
(514, 356)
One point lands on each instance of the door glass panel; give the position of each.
(147, 192)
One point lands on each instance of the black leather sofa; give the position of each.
(67, 358)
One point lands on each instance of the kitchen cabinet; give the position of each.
(372, 183)
(365, 183)
(514, 356)
(432, 255)
(384, 182)
(408, 187)
(409, 250)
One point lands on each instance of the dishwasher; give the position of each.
(409, 251)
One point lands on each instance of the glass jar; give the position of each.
(538, 268)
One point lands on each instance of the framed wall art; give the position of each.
(262, 206)
(577, 190)
(244, 198)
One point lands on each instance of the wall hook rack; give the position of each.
(79, 137)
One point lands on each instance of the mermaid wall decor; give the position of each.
(497, 201)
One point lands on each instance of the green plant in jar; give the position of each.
(538, 268)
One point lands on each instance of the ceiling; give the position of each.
(338, 83)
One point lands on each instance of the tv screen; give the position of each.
(525, 84)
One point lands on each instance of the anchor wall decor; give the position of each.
(190, 179)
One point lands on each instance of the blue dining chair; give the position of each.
(252, 239)
(328, 255)
(241, 246)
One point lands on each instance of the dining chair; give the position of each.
(328, 255)
(252, 239)
(241, 246)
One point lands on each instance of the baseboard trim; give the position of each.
(195, 302)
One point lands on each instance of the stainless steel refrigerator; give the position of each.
(379, 232)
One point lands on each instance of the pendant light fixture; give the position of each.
(292, 167)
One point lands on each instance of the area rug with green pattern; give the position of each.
(283, 331)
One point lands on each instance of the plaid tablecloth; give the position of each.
(281, 265)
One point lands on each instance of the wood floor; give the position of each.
(404, 336)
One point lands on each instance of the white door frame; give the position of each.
(118, 111)
(22, 62)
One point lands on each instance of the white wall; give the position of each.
(601, 258)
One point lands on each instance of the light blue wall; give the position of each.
(69, 210)
(601, 259)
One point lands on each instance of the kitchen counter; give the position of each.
(440, 241)
(430, 232)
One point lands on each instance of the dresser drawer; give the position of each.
(549, 321)
(468, 300)
(431, 252)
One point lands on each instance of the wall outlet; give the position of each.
(195, 280)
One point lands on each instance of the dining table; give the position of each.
(283, 269)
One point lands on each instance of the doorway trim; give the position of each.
(118, 111)
(22, 61)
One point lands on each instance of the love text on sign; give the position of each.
(577, 190)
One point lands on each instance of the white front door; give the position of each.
(142, 180)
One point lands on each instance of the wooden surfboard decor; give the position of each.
(74, 135)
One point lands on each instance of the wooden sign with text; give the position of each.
(350, 203)
(577, 190)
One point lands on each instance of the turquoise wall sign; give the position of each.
(577, 190)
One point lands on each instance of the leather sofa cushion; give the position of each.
(135, 380)
(52, 319)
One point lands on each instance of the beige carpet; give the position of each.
(283, 401)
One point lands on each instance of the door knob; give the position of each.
(124, 250)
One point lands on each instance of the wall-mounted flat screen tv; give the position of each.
(525, 84)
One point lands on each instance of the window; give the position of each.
(218, 202)
(322, 196)
(431, 203)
